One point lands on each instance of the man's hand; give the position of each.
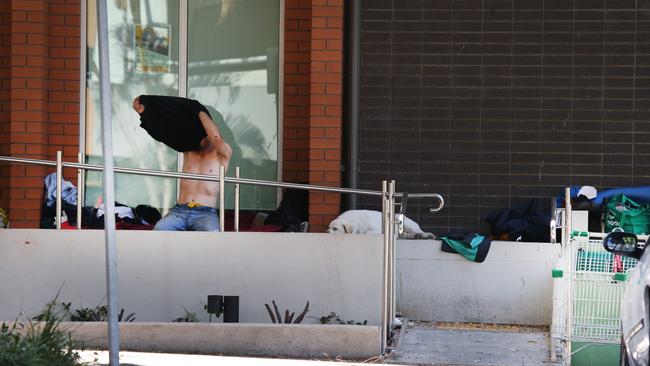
(137, 106)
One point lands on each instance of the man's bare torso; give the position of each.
(202, 192)
(213, 153)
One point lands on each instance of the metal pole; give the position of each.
(108, 185)
(391, 253)
(59, 180)
(568, 250)
(385, 322)
(236, 200)
(566, 233)
(80, 184)
(222, 200)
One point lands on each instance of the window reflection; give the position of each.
(233, 69)
(133, 73)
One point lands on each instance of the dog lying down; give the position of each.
(369, 222)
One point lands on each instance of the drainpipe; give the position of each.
(352, 97)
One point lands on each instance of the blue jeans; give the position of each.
(183, 218)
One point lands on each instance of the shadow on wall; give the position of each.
(246, 137)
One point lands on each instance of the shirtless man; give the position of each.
(196, 206)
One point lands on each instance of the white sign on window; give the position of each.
(152, 49)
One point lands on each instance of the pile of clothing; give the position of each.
(141, 217)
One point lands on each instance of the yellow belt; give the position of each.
(193, 204)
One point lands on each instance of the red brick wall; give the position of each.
(325, 110)
(297, 55)
(5, 87)
(44, 98)
(63, 81)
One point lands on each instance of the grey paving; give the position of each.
(100, 358)
(421, 345)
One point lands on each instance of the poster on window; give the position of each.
(152, 47)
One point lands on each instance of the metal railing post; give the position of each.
(80, 185)
(567, 249)
(236, 219)
(391, 255)
(222, 200)
(385, 321)
(59, 180)
(566, 225)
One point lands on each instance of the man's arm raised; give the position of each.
(214, 140)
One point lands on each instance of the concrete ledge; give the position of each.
(287, 340)
(512, 286)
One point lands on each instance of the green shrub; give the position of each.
(38, 343)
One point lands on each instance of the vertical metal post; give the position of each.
(59, 180)
(566, 225)
(391, 255)
(80, 184)
(182, 50)
(108, 184)
(236, 200)
(567, 249)
(222, 201)
(385, 307)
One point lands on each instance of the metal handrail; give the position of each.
(215, 178)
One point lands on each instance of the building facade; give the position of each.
(488, 102)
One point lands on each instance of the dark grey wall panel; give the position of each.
(491, 102)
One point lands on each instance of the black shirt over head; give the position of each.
(173, 121)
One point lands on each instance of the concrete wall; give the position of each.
(303, 341)
(512, 286)
(162, 272)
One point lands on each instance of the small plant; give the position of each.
(333, 318)
(84, 314)
(38, 343)
(188, 318)
(98, 314)
(4, 219)
(288, 318)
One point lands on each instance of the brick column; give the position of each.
(28, 123)
(63, 82)
(44, 99)
(5, 95)
(325, 110)
(297, 53)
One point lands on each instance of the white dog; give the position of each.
(369, 222)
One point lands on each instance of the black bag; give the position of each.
(292, 211)
(147, 213)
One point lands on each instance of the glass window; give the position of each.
(143, 49)
(232, 68)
